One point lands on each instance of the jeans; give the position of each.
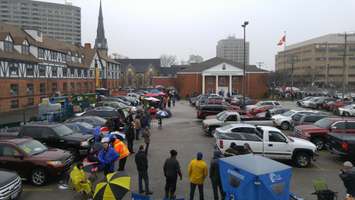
(193, 188)
(143, 176)
(217, 185)
(138, 131)
(122, 164)
(170, 187)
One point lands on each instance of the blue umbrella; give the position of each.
(162, 113)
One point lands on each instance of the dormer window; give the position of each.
(8, 44)
(25, 48)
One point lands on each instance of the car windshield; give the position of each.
(323, 123)
(288, 113)
(86, 125)
(32, 147)
(222, 117)
(63, 130)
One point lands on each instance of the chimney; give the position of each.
(87, 46)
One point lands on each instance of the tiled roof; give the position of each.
(171, 71)
(199, 67)
(139, 65)
(14, 55)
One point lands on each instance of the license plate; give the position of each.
(14, 195)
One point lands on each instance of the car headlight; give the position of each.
(84, 144)
(55, 163)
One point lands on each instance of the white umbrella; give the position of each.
(152, 99)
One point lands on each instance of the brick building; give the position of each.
(33, 66)
(214, 75)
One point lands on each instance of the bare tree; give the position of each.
(195, 59)
(168, 60)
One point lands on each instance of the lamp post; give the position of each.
(244, 25)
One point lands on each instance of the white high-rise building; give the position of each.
(233, 49)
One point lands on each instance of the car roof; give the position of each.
(15, 141)
(42, 124)
(269, 128)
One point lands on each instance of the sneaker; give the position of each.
(63, 186)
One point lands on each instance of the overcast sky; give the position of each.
(149, 28)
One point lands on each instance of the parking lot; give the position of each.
(183, 132)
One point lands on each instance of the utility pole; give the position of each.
(244, 25)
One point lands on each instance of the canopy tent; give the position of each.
(253, 177)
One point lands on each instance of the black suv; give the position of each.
(58, 136)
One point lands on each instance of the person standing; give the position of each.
(171, 172)
(197, 173)
(121, 148)
(130, 136)
(347, 175)
(137, 126)
(146, 136)
(215, 176)
(142, 167)
(107, 156)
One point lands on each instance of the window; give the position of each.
(40, 53)
(54, 71)
(232, 118)
(86, 86)
(54, 55)
(276, 137)
(65, 72)
(25, 48)
(9, 151)
(339, 125)
(65, 87)
(78, 85)
(14, 89)
(72, 86)
(54, 87)
(13, 69)
(29, 70)
(30, 101)
(350, 125)
(14, 103)
(244, 130)
(8, 45)
(42, 70)
(42, 88)
(30, 89)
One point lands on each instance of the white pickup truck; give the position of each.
(267, 141)
(229, 117)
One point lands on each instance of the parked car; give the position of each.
(33, 160)
(106, 112)
(317, 102)
(301, 102)
(229, 117)
(308, 118)
(113, 104)
(318, 132)
(213, 109)
(347, 111)
(268, 141)
(284, 120)
(81, 127)
(306, 103)
(342, 144)
(334, 105)
(263, 103)
(93, 120)
(278, 110)
(132, 94)
(238, 100)
(260, 109)
(10, 185)
(58, 136)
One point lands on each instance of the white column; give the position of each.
(230, 84)
(203, 83)
(217, 84)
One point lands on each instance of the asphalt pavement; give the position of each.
(183, 132)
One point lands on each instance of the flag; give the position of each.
(282, 41)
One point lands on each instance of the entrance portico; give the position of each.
(221, 77)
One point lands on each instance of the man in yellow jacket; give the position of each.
(197, 173)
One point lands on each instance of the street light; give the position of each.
(244, 25)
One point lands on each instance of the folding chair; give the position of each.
(322, 191)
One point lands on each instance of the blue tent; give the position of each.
(253, 177)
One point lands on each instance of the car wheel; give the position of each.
(38, 177)
(302, 159)
(319, 142)
(285, 125)
(211, 130)
(346, 114)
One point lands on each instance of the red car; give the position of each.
(213, 109)
(260, 109)
(334, 105)
(318, 132)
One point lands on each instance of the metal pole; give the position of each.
(244, 62)
(292, 63)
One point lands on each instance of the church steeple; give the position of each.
(100, 41)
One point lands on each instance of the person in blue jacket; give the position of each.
(107, 156)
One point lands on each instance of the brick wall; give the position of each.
(257, 85)
(188, 84)
(164, 81)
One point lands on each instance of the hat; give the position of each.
(199, 156)
(105, 140)
(104, 130)
(348, 164)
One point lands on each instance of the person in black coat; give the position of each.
(215, 176)
(347, 175)
(130, 136)
(142, 168)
